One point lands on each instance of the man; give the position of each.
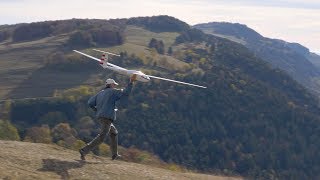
(104, 105)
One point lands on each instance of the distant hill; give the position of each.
(24, 56)
(22, 160)
(159, 23)
(315, 59)
(253, 120)
(293, 58)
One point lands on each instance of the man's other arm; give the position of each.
(92, 102)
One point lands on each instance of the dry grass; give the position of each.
(140, 36)
(22, 160)
(18, 61)
(231, 38)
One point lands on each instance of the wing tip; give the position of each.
(200, 86)
(180, 82)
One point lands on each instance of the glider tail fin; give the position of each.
(104, 58)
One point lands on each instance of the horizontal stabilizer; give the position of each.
(106, 52)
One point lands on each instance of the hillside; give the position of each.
(253, 120)
(21, 160)
(293, 58)
(24, 62)
(315, 59)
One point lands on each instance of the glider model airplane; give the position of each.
(140, 75)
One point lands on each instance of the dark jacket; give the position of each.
(105, 101)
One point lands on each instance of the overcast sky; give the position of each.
(290, 20)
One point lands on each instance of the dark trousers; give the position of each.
(106, 128)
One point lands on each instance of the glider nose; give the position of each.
(143, 78)
(147, 77)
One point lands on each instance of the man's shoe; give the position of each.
(82, 155)
(116, 156)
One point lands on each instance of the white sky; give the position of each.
(290, 20)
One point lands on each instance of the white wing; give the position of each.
(87, 55)
(180, 82)
(106, 52)
(155, 77)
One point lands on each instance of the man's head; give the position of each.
(111, 83)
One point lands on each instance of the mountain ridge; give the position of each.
(293, 58)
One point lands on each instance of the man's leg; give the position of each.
(114, 141)
(105, 128)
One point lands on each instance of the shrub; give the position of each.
(38, 135)
(8, 131)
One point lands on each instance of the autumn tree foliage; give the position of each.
(8, 131)
(63, 132)
(84, 127)
(38, 135)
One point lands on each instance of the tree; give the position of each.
(152, 43)
(4, 35)
(159, 23)
(80, 39)
(53, 118)
(170, 51)
(84, 127)
(31, 31)
(63, 132)
(107, 36)
(8, 131)
(158, 45)
(38, 135)
(76, 145)
(104, 150)
(5, 109)
(76, 93)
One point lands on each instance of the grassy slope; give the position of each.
(21, 64)
(137, 40)
(22, 160)
(231, 38)
(18, 61)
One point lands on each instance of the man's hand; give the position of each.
(133, 78)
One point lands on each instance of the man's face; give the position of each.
(112, 85)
